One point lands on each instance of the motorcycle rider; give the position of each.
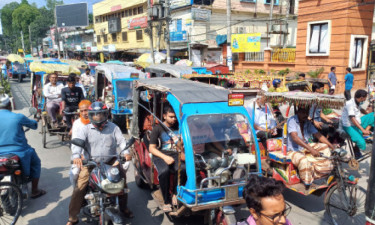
(13, 140)
(102, 138)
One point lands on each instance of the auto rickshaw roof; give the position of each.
(51, 67)
(15, 58)
(175, 70)
(115, 71)
(186, 91)
(72, 62)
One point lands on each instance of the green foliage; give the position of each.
(315, 73)
(6, 85)
(247, 71)
(262, 72)
(284, 72)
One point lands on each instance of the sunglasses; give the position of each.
(277, 217)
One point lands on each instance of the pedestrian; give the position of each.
(266, 202)
(302, 76)
(332, 80)
(349, 78)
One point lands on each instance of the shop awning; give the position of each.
(221, 39)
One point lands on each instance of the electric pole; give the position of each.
(166, 33)
(149, 21)
(57, 36)
(229, 32)
(31, 46)
(23, 44)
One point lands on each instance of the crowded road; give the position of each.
(53, 207)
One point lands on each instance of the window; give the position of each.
(268, 2)
(96, 19)
(140, 9)
(318, 38)
(139, 35)
(114, 37)
(123, 14)
(358, 52)
(105, 38)
(135, 11)
(98, 39)
(124, 36)
(130, 12)
(126, 13)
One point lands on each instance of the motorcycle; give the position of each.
(106, 184)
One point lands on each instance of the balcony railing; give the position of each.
(254, 56)
(284, 55)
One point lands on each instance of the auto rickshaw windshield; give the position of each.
(212, 130)
(124, 90)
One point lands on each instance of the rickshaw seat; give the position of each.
(279, 157)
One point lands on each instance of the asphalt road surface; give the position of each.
(52, 209)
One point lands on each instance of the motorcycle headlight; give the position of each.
(112, 188)
(225, 175)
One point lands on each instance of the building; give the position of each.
(196, 25)
(121, 26)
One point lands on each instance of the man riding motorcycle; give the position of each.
(102, 139)
(13, 140)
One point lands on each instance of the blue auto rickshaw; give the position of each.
(113, 86)
(18, 68)
(214, 183)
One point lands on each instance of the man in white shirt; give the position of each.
(86, 78)
(52, 92)
(264, 123)
(354, 123)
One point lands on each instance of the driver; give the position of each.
(13, 140)
(52, 91)
(102, 138)
(300, 133)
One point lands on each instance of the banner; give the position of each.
(246, 42)
(136, 23)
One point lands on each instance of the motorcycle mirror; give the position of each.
(33, 110)
(78, 142)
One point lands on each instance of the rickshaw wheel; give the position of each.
(44, 134)
(349, 210)
(137, 177)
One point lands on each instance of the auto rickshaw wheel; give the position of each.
(19, 78)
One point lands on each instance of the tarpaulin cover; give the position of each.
(50, 67)
(187, 91)
(15, 58)
(145, 59)
(114, 71)
(76, 63)
(221, 39)
(174, 70)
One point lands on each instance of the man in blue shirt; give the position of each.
(13, 140)
(300, 134)
(349, 78)
(332, 80)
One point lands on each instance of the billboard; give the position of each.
(114, 25)
(246, 42)
(180, 3)
(72, 15)
(137, 23)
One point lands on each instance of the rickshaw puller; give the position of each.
(300, 132)
(52, 92)
(354, 123)
(71, 96)
(102, 138)
(165, 159)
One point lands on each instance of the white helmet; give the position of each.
(4, 100)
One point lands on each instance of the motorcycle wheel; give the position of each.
(10, 203)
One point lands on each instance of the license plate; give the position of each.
(231, 193)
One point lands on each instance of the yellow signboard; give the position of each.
(246, 42)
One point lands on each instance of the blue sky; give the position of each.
(43, 2)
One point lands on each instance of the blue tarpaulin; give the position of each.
(221, 39)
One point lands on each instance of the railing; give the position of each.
(283, 55)
(254, 56)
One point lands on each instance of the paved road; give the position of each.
(52, 209)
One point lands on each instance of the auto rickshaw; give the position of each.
(39, 77)
(168, 70)
(213, 185)
(18, 68)
(343, 198)
(113, 86)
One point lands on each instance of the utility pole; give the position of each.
(166, 33)
(31, 46)
(57, 36)
(23, 44)
(229, 32)
(149, 21)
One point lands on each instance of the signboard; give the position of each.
(180, 3)
(115, 8)
(94, 49)
(72, 15)
(246, 42)
(235, 99)
(201, 14)
(114, 25)
(112, 48)
(137, 23)
(178, 36)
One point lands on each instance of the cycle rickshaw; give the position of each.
(18, 68)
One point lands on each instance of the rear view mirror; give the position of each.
(33, 111)
(79, 142)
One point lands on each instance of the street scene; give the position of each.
(220, 112)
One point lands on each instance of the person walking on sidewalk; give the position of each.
(332, 80)
(349, 78)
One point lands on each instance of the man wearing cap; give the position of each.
(13, 140)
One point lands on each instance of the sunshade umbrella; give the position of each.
(184, 62)
(145, 59)
(15, 58)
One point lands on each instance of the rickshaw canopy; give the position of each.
(145, 59)
(15, 58)
(174, 70)
(51, 67)
(114, 71)
(76, 63)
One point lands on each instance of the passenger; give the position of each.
(71, 96)
(52, 92)
(300, 133)
(261, 119)
(354, 123)
(265, 200)
(78, 125)
(165, 159)
(302, 76)
(78, 84)
(86, 78)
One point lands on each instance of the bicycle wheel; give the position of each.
(346, 205)
(10, 203)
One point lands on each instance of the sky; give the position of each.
(43, 2)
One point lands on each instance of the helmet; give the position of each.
(98, 114)
(4, 100)
(276, 82)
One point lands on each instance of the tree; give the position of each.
(6, 17)
(52, 3)
(41, 25)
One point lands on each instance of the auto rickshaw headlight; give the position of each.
(225, 175)
(129, 105)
